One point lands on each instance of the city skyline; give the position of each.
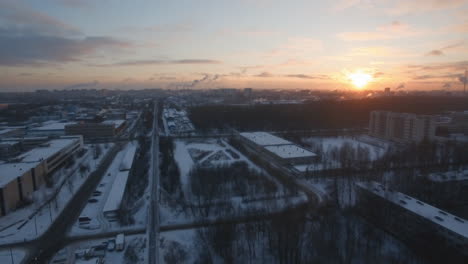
(71, 44)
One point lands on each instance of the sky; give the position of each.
(295, 44)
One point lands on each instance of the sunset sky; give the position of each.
(133, 44)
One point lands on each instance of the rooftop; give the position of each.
(116, 123)
(289, 151)
(431, 213)
(31, 159)
(53, 126)
(264, 138)
(449, 176)
(116, 193)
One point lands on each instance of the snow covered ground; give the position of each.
(329, 149)
(134, 244)
(376, 149)
(209, 153)
(95, 205)
(30, 222)
(12, 256)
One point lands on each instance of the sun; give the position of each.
(360, 79)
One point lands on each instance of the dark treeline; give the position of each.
(317, 114)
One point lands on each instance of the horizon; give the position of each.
(266, 44)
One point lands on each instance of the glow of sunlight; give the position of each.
(359, 79)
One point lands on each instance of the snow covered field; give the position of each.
(361, 148)
(209, 153)
(30, 222)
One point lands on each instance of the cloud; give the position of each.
(28, 38)
(440, 52)
(171, 28)
(37, 49)
(449, 66)
(27, 21)
(264, 75)
(435, 53)
(297, 47)
(378, 74)
(306, 76)
(25, 74)
(300, 76)
(393, 30)
(400, 7)
(403, 7)
(162, 62)
(82, 85)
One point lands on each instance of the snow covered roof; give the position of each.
(54, 126)
(431, 213)
(449, 176)
(116, 193)
(290, 151)
(116, 123)
(264, 138)
(42, 153)
(127, 160)
(31, 159)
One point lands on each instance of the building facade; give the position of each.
(19, 179)
(401, 126)
(423, 226)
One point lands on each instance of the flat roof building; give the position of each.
(19, 179)
(278, 148)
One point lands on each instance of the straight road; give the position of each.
(153, 233)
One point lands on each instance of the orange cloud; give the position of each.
(390, 31)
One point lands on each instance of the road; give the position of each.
(51, 241)
(153, 229)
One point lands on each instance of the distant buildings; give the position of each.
(277, 148)
(401, 126)
(414, 221)
(108, 128)
(21, 177)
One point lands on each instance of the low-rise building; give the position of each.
(108, 128)
(424, 226)
(19, 179)
(278, 148)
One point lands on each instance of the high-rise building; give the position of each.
(401, 126)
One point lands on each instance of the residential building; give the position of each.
(423, 226)
(402, 127)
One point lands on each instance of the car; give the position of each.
(92, 200)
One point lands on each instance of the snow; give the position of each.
(433, 214)
(32, 159)
(95, 210)
(290, 151)
(116, 123)
(376, 149)
(264, 138)
(7, 254)
(127, 160)
(54, 126)
(52, 148)
(117, 191)
(32, 221)
(449, 176)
